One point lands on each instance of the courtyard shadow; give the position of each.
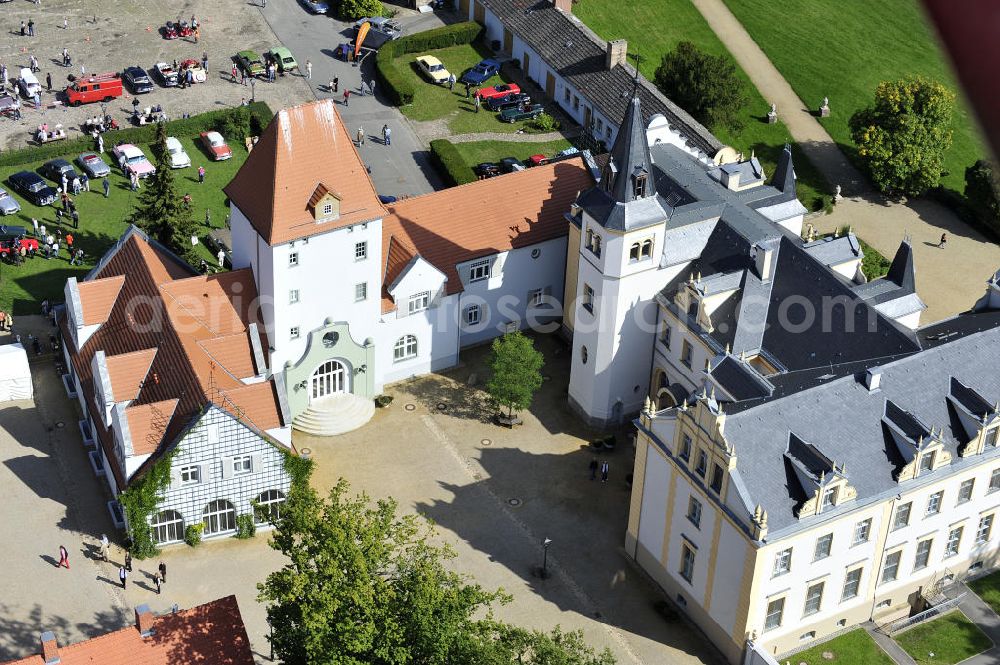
(20, 629)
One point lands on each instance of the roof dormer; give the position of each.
(823, 484)
(921, 448)
(979, 418)
(324, 204)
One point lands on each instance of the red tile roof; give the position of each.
(127, 372)
(97, 299)
(305, 147)
(483, 218)
(162, 306)
(209, 634)
(147, 423)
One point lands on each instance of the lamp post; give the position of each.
(253, 98)
(545, 558)
(270, 638)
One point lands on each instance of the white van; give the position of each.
(28, 84)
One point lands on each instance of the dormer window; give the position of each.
(596, 247)
(633, 252)
(927, 461)
(590, 240)
(639, 185)
(830, 498)
(991, 436)
(647, 249)
(324, 204)
(327, 209)
(640, 251)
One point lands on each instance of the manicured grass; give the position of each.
(678, 20)
(988, 588)
(103, 220)
(477, 152)
(431, 101)
(951, 638)
(842, 50)
(853, 648)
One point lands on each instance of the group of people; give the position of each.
(159, 577)
(386, 135)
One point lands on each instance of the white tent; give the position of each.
(15, 375)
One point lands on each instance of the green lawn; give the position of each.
(853, 648)
(988, 588)
(678, 20)
(842, 50)
(102, 221)
(477, 152)
(431, 101)
(951, 638)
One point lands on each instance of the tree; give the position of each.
(161, 212)
(706, 86)
(982, 183)
(903, 135)
(349, 10)
(517, 373)
(364, 587)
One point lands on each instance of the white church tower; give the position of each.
(614, 319)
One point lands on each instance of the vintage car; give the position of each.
(523, 112)
(250, 63)
(216, 146)
(92, 164)
(497, 91)
(178, 158)
(8, 204)
(167, 74)
(433, 69)
(483, 71)
(131, 160)
(137, 79)
(31, 186)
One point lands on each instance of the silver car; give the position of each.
(92, 163)
(8, 204)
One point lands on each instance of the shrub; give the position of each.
(450, 164)
(349, 10)
(393, 81)
(245, 528)
(706, 86)
(544, 123)
(235, 124)
(982, 182)
(192, 534)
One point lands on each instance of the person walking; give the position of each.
(55, 249)
(234, 72)
(34, 223)
(24, 29)
(347, 97)
(31, 27)
(604, 471)
(336, 83)
(63, 558)
(83, 70)
(386, 135)
(467, 89)
(105, 545)
(107, 187)
(361, 136)
(122, 575)
(33, 62)
(84, 182)
(156, 581)
(593, 468)
(204, 60)
(944, 239)
(128, 560)
(478, 102)
(197, 34)
(163, 572)
(69, 243)
(48, 81)
(201, 174)
(451, 82)
(65, 24)
(100, 143)
(309, 70)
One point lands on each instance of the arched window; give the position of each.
(219, 517)
(167, 527)
(633, 252)
(405, 348)
(597, 245)
(590, 239)
(267, 507)
(647, 249)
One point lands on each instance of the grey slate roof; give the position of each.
(739, 380)
(833, 251)
(917, 386)
(548, 31)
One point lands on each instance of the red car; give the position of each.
(498, 91)
(216, 146)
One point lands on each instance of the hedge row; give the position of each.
(260, 115)
(450, 163)
(392, 80)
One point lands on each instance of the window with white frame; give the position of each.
(992, 435)
(328, 209)
(814, 599)
(995, 480)
(890, 570)
(293, 332)
(862, 531)
(927, 461)
(242, 464)
(361, 250)
(218, 517)
(418, 302)
(267, 507)
(923, 554)
(167, 526)
(985, 529)
(405, 348)
(190, 474)
(782, 563)
(473, 315)
(293, 259)
(588, 298)
(965, 491)
(687, 562)
(775, 612)
(694, 512)
(293, 296)
(934, 503)
(360, 291)
(852, 583)
(829, 498)
(902, 516)
(633, 252)
(536, 297)
(646, 251)
(479, 270)
(824, 545)
(954, 541)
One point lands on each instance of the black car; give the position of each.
(511, 164)
(487, 170)
(137, 79)
(55, 169)
(32, 187)
(506, 101)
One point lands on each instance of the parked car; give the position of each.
(250, 62)
(524, 112)
(167, 74)
(178, 158)
(131, 160)
(282, 57)
(27, 83)
(55, 169)
(97, 88)
(487, 170)
(513, 99)
(386, 199)
(433, 69)
(316, 6)
(31, 186)
(386, 26)
(511, 164)
(220, 239)
(13, 239)
(216, 146)
(198, 74)
(499, 90)
(93, 165)
(484, 71)
(137, 79)
(8, 204)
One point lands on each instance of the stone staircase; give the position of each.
(335, 414)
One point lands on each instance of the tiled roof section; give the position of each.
(176, 317)
(254, 402)
(232, 354)
(302, 147)
(127, 372)
(98, 297)
(212, 634)
(318, 195)
(573, 50)
(147, 423)
(487, 216)
(397, 256)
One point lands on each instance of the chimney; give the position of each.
(50, 648)
(564, 5)
(617, 51)
(144, 619)
(873, 378)
(763, 259)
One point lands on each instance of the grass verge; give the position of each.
(853, 648)
(949, 639)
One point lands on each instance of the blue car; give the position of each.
(316, 6)
(484, 71)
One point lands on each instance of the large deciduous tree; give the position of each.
(706, 86)
(982, 185)
(516, 367)
(903, 136)
(161, 211)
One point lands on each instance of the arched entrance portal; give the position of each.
(328, 379)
